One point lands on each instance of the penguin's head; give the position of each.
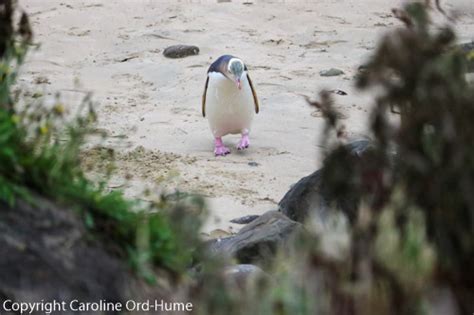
(235, 68)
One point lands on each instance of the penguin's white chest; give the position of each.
(228, 109)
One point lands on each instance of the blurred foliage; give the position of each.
(417, 72)
(423, 77)
(39, 154)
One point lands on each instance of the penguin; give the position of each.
(229, 102)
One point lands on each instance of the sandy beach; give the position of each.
(151, 105)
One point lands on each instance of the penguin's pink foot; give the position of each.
(244, 142)
(220, 149)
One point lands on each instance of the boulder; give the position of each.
(311, 195)
(259, 240)
(47, 254)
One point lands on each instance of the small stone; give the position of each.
(331, 72)
(339, 92)
(253, 163)
(245, 219)
(180, 51)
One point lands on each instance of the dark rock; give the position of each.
(252, 163)
(339, 92)
(245, 219)
(310, 195)
(259, 240)
(46, 254)
(180, 51)
(331, 72)
(305, 197)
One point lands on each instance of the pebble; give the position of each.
(331, 72)
(180, 51)
(245, 220)
(339, 92)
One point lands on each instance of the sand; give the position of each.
(151, 105)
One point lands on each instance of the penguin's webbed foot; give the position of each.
(219, 148)
(221, 151)
(244, 142)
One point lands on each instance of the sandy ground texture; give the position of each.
(151, 105)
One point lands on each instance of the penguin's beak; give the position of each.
(239, 85)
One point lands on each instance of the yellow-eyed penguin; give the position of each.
(229, 101)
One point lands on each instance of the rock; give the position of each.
(259, 240)
(312, 202)
(245, 219)
(180, 51)
(339, 92)
(331, 72)
(253, 163)
(310, 196)
(47, 253)
(305, 197)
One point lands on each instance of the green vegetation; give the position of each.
(34, 160)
